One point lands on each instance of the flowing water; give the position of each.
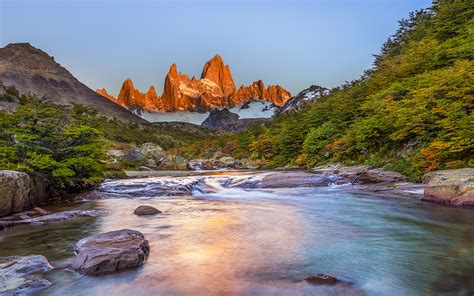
(237, 241)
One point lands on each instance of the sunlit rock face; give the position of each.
(214, 89)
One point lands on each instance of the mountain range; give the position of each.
(214, 89)
(32, 70)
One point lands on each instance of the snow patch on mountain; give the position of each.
(248, 110)
(255, 109)
(185, 116)
(305, 97)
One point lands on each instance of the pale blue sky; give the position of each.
(293, 43)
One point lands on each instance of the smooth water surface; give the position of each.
(237, 241)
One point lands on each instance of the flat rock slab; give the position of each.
(281, 180)
(21, 275)
(111, 252)
(49, 218)
(294, 179)
(146, 210)
(450, 187)
(361, 173)
(148, 187)
(407, 189)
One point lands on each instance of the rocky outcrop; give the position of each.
(218, 119)
(111, 252)
(214, 89)
(220, 163)
(451, 187)
(133, 99)
(20, 275)
(305, 97)
(31, 70)
(19, 191)
(257, 91)
(146, 210)
(8, 102)
(224, 120)
(149, 155)
(215, 70)
(103, 92)
(174, 162)
(153, 151)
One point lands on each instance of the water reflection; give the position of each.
(263, 242)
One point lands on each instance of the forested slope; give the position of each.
(411, 112)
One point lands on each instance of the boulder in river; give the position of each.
(20, 275)
(280, 180)
(227, 161)
(361, 173)
(19, 191)
(321, 279)
(111, 252)
(293, 179)
(146, 210)
(451, 187)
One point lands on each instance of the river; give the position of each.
(264, 241)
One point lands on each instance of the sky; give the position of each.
(294, 43)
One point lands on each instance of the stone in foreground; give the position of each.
(146, 210)
(451, 187)
(19, 191)
(19, 275)
(321, 279)
(111, 252)
(48, 218)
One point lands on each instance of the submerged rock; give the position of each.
(321, 279)
(111, 252)
(146, 210)
(20, 275)
(452, 187)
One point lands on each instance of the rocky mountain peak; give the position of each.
(216, 71)
(173, 71)
(152, 91)
(128, 84)
(103, 92)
